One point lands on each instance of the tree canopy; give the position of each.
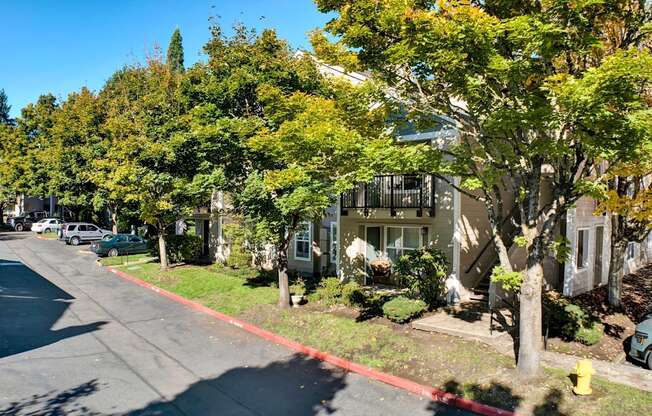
(539, 91)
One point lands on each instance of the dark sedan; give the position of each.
(120, 245)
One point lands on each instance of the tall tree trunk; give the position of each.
(283, 285)
(530, 333)
(163, 255)
(2, 215)
(616, 270)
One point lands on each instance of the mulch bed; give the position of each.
(618, 324)
(636, 296)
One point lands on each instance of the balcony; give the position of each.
(392, 192)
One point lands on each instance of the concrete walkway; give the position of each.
(474, 325)
(77, 340)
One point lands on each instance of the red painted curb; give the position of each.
(402, 383)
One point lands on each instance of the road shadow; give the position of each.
(14, 235)
(295, 386)
(30, 306)
(53, 403)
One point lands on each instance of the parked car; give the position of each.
(641, 346)
(82, 232)
(119, 245)
(46, 225)
(24, 222)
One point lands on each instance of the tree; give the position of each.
(506, 73)
(629, 203)
(252, 85)
(150, 159)
(175, 52)
(73, 146)
(29, 144)
(7, 185)
(317, 152)
(5, 118)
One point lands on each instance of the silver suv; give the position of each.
(81, 232)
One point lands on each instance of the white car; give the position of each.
(83, 232)
(46, 225)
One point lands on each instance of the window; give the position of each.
(71, 227)
(135, 239)
(582, 248)
(401, 239)
(303, 242)
(631, 250)
(82, 227)
(333, 245)
(92, 228)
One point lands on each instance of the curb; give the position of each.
(402, 383)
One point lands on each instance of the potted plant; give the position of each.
(298, 292)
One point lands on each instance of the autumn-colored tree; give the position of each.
(628, 202)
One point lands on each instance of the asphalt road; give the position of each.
(77, 340)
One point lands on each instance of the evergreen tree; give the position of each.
(175, 52)
(4, 109)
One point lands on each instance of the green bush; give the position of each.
(332, 292)
(570, 321)
(424, 272)
(352, 294)
(239, 255)
(402, 309)
(181, 248)
(329, 291)
(298, 288)
(591, 335)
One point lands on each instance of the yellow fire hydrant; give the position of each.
(584, 371)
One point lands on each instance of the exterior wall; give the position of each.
(638, 255)
(581, 279)
(321, 261)
(27, 203)
(475, 234)
(353, 245)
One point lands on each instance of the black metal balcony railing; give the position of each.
(392, 192)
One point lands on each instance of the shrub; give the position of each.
(183, 248)
(402, 309)
(424, 273)
(329, 291)
(239, 255)
(352, 294)
(591, 335)
(332, 292)
(298, 288)
(570, 321)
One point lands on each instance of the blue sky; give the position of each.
(60, 46)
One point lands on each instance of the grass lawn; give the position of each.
(225, 290)
(467, 368)
(120, 260)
